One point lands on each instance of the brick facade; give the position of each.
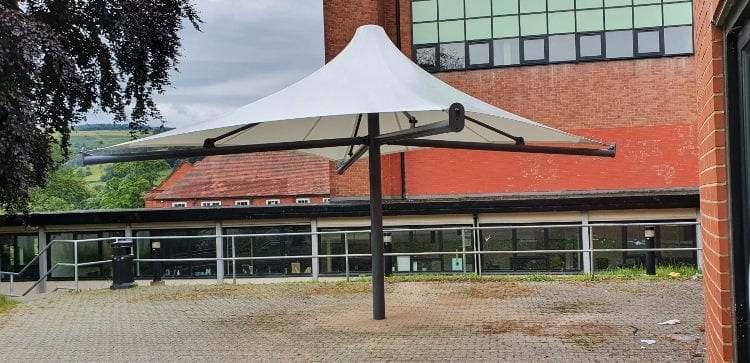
(711, 139)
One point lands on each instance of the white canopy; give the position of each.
(369, 76)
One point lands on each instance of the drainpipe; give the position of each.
(402, 155)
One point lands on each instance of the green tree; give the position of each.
(60, 59)
(128, 182)
(64, 191)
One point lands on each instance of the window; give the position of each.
(179, 204)
(211, 203)
(326, 200)
(469, 34)
(272, 201)
(302, 200)
(242, 202)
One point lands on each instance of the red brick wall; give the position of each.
(709, 76)
(230, 201)
(343, 17)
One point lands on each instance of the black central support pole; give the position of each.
(376, 218)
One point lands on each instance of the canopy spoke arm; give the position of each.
(340, 169)
(89, 159)
(533, 149)
(519, 140)
(454, 123)
(354, 133)
(211, 141)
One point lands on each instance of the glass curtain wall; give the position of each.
(16, 251)
(90, 251)
(461, 34)
(193, 247)
(633, 237)
(268, 246)
(531, 239)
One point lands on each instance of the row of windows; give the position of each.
(621, 44)
(18, 251)
(245, 202)
(458, 34)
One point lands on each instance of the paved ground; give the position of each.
(427, 321)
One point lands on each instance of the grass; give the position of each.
(621, 273)
(6, 303)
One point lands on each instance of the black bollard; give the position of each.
(650, 233)
(156, 265)
(388, 248)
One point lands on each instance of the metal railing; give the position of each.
(587, 253)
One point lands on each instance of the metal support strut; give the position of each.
(376, 218)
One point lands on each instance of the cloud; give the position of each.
(246, 50)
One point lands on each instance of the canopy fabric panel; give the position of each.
(369, 76)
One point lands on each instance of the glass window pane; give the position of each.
(451, 31)
(425, 33)
(424, 10)
(590, 20)
(476, 8)
(588, 4)
(647, 16)
(533, 6)
(562, 47)
(504, 7)
(648, 42)
(533, 49)
(678, 40)
(505, 26)
(617, 2)
(497, 240)
(534, 24)
(641, 2)
(452, 56)
(426, 57)
(450, 9)
(590, 45)
(479, 53)
(678, 14)
(561, 5)
(619, 44)
(562, 22)
(478, 28)
(505, 52)
(618, 18)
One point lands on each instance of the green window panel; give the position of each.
(425, 33)
(451, 31)
(590, 20)
(478, 28)
(533, 6)
(534, 24)
(673, 1)
(504, 7)
(609, 3)
(588, 4)
(647, 16)
(561, 5)
(476, 8)
(450, 9)
(618, 18)
(562, 22)
(678, 14)
(644, 2)
(424, 10)
(505, 26)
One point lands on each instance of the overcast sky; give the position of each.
(246, 50)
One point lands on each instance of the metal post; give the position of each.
(234, 263)
(388, 248)
(699, 244)
(10, 291)
(376, 218)
(315, 248)
(463, 251)
(42, 287)
(586, 238)
(219, 254)
(75, 263)
(346, 255)
(649, 234)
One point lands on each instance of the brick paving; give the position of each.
(601, 321)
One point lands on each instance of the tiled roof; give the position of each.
(282, 173)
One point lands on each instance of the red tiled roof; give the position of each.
(280, 173)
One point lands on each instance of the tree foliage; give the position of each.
(127, 183)
(60, 59)
(64, 190)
